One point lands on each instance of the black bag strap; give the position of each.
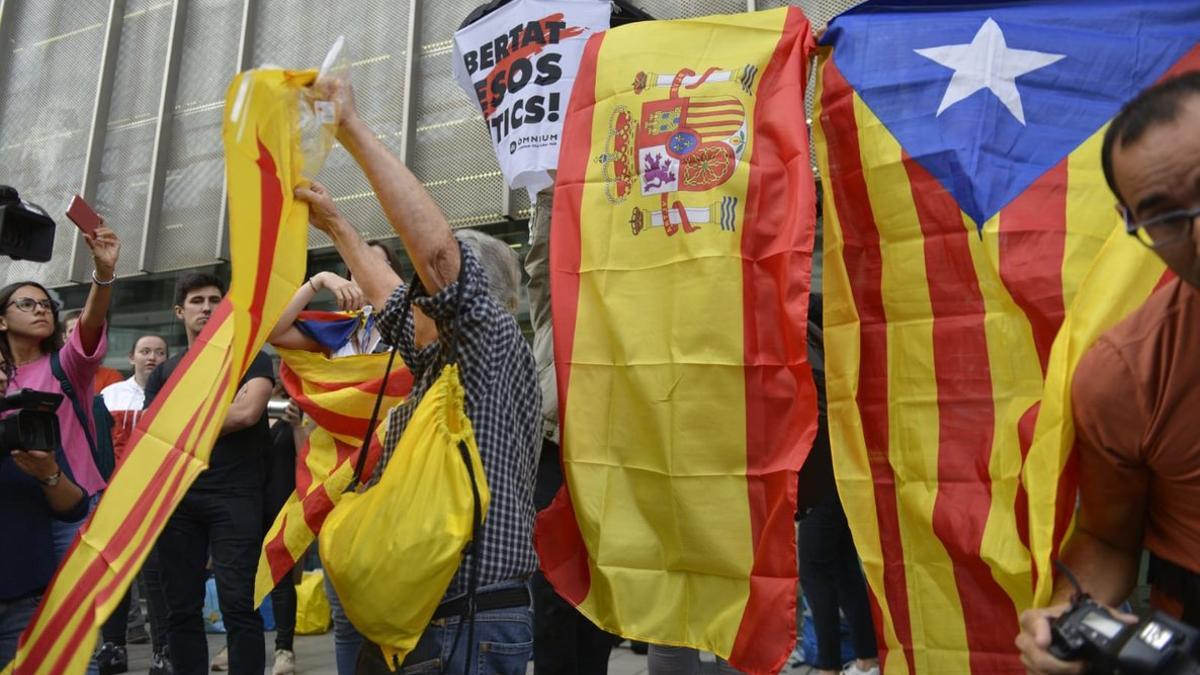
(361, 464)
(69, 391)
(451, 357)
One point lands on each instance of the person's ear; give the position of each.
(179, 312)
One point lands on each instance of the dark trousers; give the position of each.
(832, 578)
(283, 604)
(150, 579)
(228, 526)
(565, 642)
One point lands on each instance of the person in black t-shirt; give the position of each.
(221, 514)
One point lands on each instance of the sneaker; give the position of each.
(220, 662)
(137, 635)
(285, 662)
(160, 663)
(853, 669)
(112, 659)
(797, 658)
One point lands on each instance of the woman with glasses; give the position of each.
(31, 337)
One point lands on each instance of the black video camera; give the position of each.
(35, 424)
(26, 230)
(1159, 644)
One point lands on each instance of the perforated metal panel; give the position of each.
(452, 153)
(124, 181)
(680, 9)
(298, 33)
(186, 229)
(819, 12)
(47, 93)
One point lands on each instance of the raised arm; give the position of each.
(105, 248)
(349, 297)
(408, 206)
(376, 281)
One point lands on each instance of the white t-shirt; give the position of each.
(124, 401)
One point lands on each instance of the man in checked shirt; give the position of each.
(497, 368)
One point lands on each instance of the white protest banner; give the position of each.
(519, 64)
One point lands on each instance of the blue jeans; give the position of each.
(14, 617)
(347, 641)
(503, 644)
(64, 533)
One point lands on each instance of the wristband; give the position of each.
(96, 280)
(51, 481)
(310, 285)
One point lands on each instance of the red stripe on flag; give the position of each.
(560, 545)
(864, 267)
(317, 505)
(1025, 428)
(270, 222)
(781, 401)
(120, 541)
(1189, 62)
(279, 558)
(1033, 238)
(966, 422)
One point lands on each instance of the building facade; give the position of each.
(121, 101)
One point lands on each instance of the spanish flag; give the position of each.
(965, 205)
(171, 444)
(681, 254)
(338, 395)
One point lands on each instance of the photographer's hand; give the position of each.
(63, 495)
(1034, 643)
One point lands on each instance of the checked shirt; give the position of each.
(503, 403)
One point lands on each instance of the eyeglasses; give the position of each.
(1163, 230)
(27, 304)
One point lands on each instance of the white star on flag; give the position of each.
(987, 63)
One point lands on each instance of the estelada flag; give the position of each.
(960, 145)
(338, 395)
(172, 442)
(681, 254)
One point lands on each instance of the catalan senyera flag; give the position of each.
(1123, 276)
(965, 205)
(680, 259)
(171, 444)
(338, 395)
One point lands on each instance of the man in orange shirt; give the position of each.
(1137, 391)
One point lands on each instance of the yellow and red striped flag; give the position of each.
(680, 261)
(1123, 276)
(338, 395)
(172, 442)
(960, 223)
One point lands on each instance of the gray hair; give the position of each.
(500, 265)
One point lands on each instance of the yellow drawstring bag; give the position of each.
(392, 551)
(313, 615)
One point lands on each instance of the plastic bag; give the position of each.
(313, 614)
(392, 551)
(318, 118)
(213, 623)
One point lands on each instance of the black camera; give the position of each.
(26, 230)
(35, 424)
(1158, 644)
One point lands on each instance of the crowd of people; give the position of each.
(1139, 456)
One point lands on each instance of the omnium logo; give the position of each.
(535, 141)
